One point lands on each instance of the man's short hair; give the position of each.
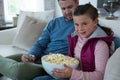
(65, 0)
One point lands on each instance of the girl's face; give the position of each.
(84, 25)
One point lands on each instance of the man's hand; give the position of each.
(28, 58)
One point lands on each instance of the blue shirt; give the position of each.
(53, 38)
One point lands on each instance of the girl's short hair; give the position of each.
(86, 9)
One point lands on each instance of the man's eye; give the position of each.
(63, 8)
(70, 7)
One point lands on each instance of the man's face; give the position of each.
(67, 7)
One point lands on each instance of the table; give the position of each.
(8, 26)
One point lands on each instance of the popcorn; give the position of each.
(61, 59)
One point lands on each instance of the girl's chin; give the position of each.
(82, 36)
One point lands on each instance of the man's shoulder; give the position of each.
(57, 20)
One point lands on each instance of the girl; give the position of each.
(89, 44)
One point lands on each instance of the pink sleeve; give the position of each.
(101, 57)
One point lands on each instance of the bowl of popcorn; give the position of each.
(51, 61)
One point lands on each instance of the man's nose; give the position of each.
(67, 11)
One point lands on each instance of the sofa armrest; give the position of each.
(112, 71)
(7, 36)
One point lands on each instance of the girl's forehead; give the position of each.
(82, 17)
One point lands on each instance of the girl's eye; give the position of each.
(76, 25)
(84, 24)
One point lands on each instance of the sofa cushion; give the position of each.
(31, 28)
(28, 33)
(7, 50)
(112, 71)
(4, 38)
(45, 16)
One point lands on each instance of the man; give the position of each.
(53, 39)
(54, 36)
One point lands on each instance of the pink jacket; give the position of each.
(87, 58)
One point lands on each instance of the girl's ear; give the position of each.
(96, 21)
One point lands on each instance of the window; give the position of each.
(13, 7)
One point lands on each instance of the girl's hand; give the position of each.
(63, 73)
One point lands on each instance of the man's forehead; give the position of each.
(66, 3)
(69, 0)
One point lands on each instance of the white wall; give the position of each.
(1, 9)
(93, 2)
(57, 9)
(49, 4)
(33, 5)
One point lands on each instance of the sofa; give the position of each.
(19, 39)
(29, 27)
